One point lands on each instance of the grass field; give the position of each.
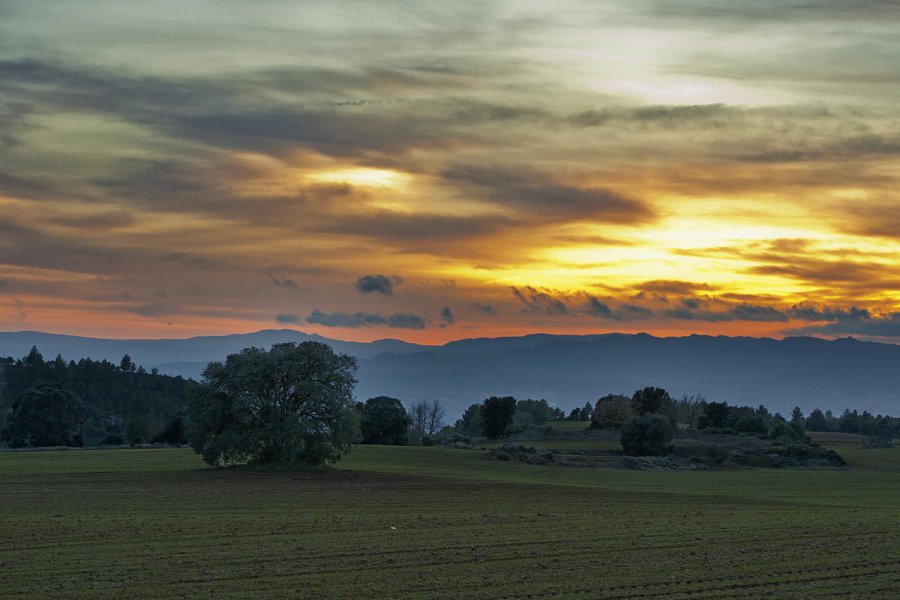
(436, 523)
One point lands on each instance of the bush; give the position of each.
(649, 435)
(612, 412)
(47, 414)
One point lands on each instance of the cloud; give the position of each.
(3, 284)
(447, 316)
(288, 318)
(190, 260)
(886, 327)
(596, 308)
(406, 321)
(285, 282)
(487, 309)
(99, 221)
(540, 301)
(670, 286)
(360, 319)
(539, 196)
(416, 230)
(380, 284)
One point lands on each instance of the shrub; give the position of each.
(611, 412)
(649, 435)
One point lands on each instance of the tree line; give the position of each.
(118, 402)
(294, 403)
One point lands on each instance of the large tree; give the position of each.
(290, 404)
(45, 415)
(612, 412)
(496, 415)
(384, 421)
(650, 400)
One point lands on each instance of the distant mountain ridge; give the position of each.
(567, 370)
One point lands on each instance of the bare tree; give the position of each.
(418, 412)
(690, 408)
(435, 414)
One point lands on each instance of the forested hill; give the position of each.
(122, 400)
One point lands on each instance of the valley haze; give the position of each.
(566, 370)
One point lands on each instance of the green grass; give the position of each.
(437, 523)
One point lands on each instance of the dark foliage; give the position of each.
(650, 400)
(46, 415)
(496, 415)
(292, 404)
(175, 432)
(384, 421)
(852, 421)
(612, 412)
(111, 396)
(714, 415)
(530, 413)
(648, 435)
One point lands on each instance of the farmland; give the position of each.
(414, 522)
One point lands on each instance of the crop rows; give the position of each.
(176, 529)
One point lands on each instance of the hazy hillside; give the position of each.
(566, 370)
(778, 373)
(174, 352)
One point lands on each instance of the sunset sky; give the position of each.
(439, 170)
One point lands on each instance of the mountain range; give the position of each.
(566, 370)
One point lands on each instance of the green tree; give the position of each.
(127, 365)
(496, 415)
(648, 435)
(470, 422)
(45, 415)
(174, 432)
(290, 404)
(650, 400)
(532, 412)
(385, 421)
(714, 415)
(612, 412)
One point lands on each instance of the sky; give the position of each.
(432, 171)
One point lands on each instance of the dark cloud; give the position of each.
(840, 315)
(282, 282)
(718, 310)
(633, 312)
(596, 308)
(23, 187)
(780, 11)
(822, 271)
(447, 316)
(288, 318)
(540, 301)
(3, 284)
(190, 260)
(881, 218)
(487, 309)
(101, 221)
(368, 284)
(539, 197)
(416, 230)
(661, 115)
(885, 326)
(360, 319)
(406, 321)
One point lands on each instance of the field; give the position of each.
(437, 523)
